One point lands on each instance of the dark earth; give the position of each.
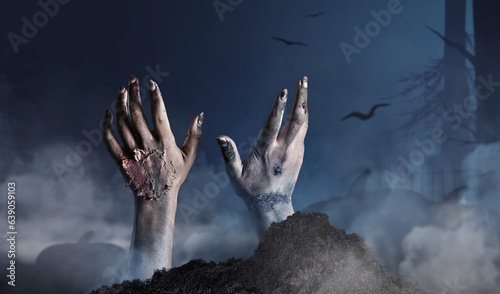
(302, 254)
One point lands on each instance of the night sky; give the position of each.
(55, 89)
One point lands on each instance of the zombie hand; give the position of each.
(265, 179)
(154, 168)
(150, 161)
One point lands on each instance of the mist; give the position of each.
(55, 89)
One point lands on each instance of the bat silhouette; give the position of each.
(315, 14)
(288, 42)
(363, 116)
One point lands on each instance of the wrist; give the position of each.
(156, 201)
(152, 238)
(268, 208)
(267, 202)
(156, 215)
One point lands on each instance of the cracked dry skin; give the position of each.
(271, 199)
(149, 173)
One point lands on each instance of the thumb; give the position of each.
(231, 156)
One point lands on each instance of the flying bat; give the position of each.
(363, 116)
(288, 42)
(316, 14)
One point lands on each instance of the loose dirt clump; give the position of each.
(302, 254)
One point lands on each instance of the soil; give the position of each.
(302, 254)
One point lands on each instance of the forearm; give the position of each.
(154, 167)
(266, 209)
(152, 237)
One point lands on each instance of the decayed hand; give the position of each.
(266, 177)
(154, 168)
(149, 160)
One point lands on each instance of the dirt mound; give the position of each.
(302, 254)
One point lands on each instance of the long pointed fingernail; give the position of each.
(222, 142)
(108, 112)
(132, 80)
(121, 90)
(304, 82)
(201, 118)
(284, 95)
(152, 86)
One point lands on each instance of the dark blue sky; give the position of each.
(67, 75)
(62, 80)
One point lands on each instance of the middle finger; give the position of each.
(137, 116)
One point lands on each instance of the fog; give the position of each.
(56, 88)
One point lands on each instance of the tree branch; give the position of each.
(457, 46)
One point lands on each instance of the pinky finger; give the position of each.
(110, 141)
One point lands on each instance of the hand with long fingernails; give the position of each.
(154, 168)
(266, 177)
